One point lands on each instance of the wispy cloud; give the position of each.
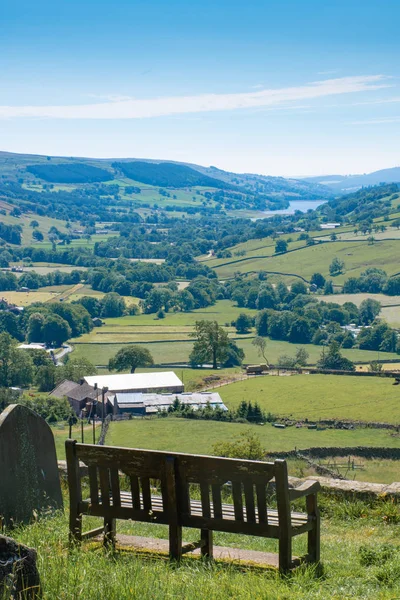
(132, 108)
(377, 121)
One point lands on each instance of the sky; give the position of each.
(275, 87)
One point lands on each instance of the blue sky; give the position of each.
(280, 87)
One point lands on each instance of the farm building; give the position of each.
(148, 404)
(77, 394)
(165, 381)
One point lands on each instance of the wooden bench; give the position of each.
(173, 476)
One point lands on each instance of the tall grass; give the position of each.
(360, 554)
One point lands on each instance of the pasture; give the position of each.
(169, 339)
(317, 397)
(306, 260)
(198, 437)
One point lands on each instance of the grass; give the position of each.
(308, 260)
(27, 298)
(198, 437)
(360, 559)
(169, 341)
(319, 397)
(390, 311)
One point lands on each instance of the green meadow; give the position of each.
(319, 397)
(199, 437)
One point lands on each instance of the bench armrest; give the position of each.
(305, 489)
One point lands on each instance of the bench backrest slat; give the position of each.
(217, 500)
(249, 499)
(261, 503)
(93, 484)
(115, 487)
(237, 500)
(135, 491)
(205, 499)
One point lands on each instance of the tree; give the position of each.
(55, 331)
(211, 345)
(298, 287)
(76, 369)
(45, 377)
(392, 287)
(300, 331)
(37, 235)
(243, 323)
(318, 280)
(369, 309)
(34, 224)
(332, 359)
(247, 446)
(281, 246)
(113, 305)
(131, 358)
(261, 344)
(336, 267)
(234, 357)
(328, 288)
(16, 367)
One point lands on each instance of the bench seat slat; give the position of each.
(299, 520)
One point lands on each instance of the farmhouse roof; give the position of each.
(136, 381)
(63, 388)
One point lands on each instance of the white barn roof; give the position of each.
(136, 381)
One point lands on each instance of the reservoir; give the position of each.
(303, 205)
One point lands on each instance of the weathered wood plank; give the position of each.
(135, 492)
(115, 489)
(217, 501)
(93, 485)
(249, 499)
(104, 475)
(237, 500)
(261, 503)
(282, 497)
(146, 493)
(205, 499)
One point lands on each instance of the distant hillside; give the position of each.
(70, 173)
(167, 175)
(342, 183)
(363, 205)
(225, 190)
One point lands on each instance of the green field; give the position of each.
(198, 437)
(320, 397)
(307, 260)
(169, 340)
(99, 351)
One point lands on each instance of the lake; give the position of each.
(303, 205)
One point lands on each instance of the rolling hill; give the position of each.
(348, 183)
(36, 169)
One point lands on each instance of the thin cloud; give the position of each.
(157, 107)
(378, 121)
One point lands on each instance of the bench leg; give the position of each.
(313, 549)
(285, 551)
(175, 542)
(109, 533)
(207, 538)
(75, 528)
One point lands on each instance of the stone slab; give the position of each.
(30, 481)
(237, 555)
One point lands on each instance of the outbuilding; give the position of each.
(150, 404)
(164, 381)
